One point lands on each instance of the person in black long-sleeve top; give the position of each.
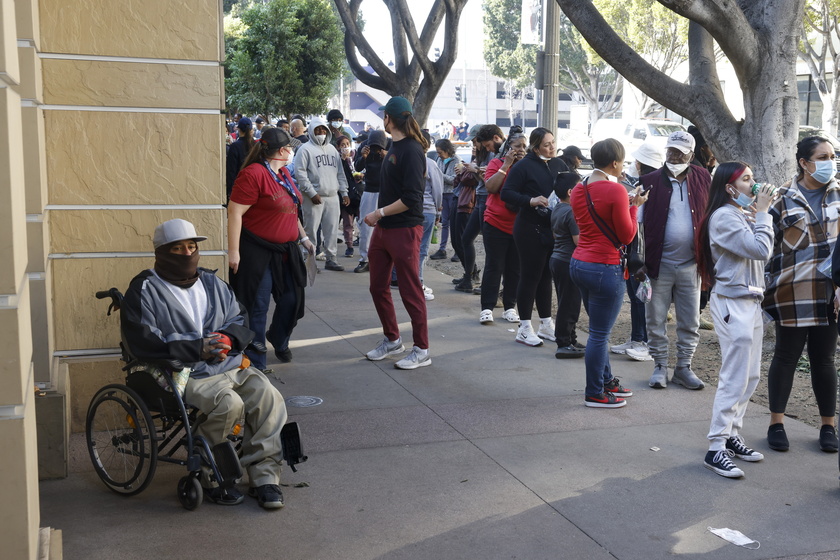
(237, 152)
(527, 187)
(369, 157)
(395, 242)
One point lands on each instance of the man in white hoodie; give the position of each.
(320, 178)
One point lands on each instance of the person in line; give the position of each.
(432, 202)
(456, 225)
(500, 256)
(447, 162)
(320, 177)
(264, 226)
(237, 152)
(178, 311)
(284, 124)
(527, 188)
(260, 123)
(572, 157)
(298, 126)
(335, 122)
(369, 158)
(395, 242)
(566, 233)
(734, 242)
(607, 223)
(350, 211)
(648, 159)
(490, 137)
(679, 192)
(799, 297)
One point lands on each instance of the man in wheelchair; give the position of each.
(178, 311)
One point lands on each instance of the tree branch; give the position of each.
(355, 39)
(420, 45)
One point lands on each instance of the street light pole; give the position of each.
(551, 86)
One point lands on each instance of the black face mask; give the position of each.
(180, 270)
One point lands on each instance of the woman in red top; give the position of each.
(500, 255)
(264, 226)
(605, 218)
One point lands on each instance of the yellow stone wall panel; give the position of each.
(20, 518)
(134, 158)
(12, 199)
(131, 84)
(80, 320)
(185, 30)
(86, 378)
(88, 231)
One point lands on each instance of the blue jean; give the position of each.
(601, 290)
(429, 219)
(638, 328)
(280, 330)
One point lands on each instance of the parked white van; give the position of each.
(633, 133)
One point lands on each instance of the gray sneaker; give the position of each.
(386, 348)
(659, 379)
(685, 377)
(415, 359)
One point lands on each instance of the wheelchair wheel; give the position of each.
(190, 493)
(121, 439)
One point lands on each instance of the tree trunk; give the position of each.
(760, 38)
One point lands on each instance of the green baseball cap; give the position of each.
(473, 132)
(396, 106)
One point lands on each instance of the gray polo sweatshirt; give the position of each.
(740, 250)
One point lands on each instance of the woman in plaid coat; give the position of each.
(799, 297)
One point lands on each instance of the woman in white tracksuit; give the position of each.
(734, 242)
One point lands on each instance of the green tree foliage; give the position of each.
(283, 57)
(504, 53)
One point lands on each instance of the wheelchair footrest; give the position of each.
(292, 447)
(227, 462)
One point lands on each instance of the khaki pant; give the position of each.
(228, 397)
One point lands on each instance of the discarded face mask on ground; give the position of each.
(735, 537)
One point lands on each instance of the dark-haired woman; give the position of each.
(264, 227)
(395, 242)
(447, 162)
(527, 188)
(238, 152)
(734, 241)
(799, 297)
(606, 221)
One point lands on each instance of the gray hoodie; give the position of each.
(740, 250)
(318, 167)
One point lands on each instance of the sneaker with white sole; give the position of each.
(526, 335)
(486, 316)
(415, 359)
(621, 348)
(428, 294)
(737, 446)
(386, 348)
(639, 351)
(510, 315)
(546, 330)
(721, 463)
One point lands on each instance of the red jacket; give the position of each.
(613, 206)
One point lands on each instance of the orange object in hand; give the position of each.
(224, 339)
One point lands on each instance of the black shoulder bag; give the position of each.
(607, 231)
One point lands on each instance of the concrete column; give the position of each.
(551, 89)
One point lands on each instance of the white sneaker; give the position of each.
(621, 348)
(546, 331)
(428, 294)
(525, 335)
(510, 315)
(427, 290)
(415, 359)
(321, 257)
(639, 352)
(486, 316)
(386, 348)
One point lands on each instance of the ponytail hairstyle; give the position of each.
(269, 144)
(408, 126)
(717, 197)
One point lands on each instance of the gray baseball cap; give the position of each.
(175, 230)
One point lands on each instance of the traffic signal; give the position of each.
(458, 93)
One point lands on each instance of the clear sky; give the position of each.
(470, 32)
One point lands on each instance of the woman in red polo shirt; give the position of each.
(500, 255)
(264, 226)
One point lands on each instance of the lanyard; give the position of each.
(283, 183)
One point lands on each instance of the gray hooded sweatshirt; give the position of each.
(318, 168)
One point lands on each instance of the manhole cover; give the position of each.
(303, 402)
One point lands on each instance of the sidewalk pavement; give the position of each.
(487, 454)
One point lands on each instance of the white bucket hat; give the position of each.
(649, 155)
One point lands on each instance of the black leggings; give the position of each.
(500, 259)
(472, 227)
(457, 221)
(822, 343)
(535, 250)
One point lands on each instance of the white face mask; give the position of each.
(320, 138)
(677, 168)
(336, 124)
(544, 158)
(345, 151)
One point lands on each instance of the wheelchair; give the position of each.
(130, 427)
